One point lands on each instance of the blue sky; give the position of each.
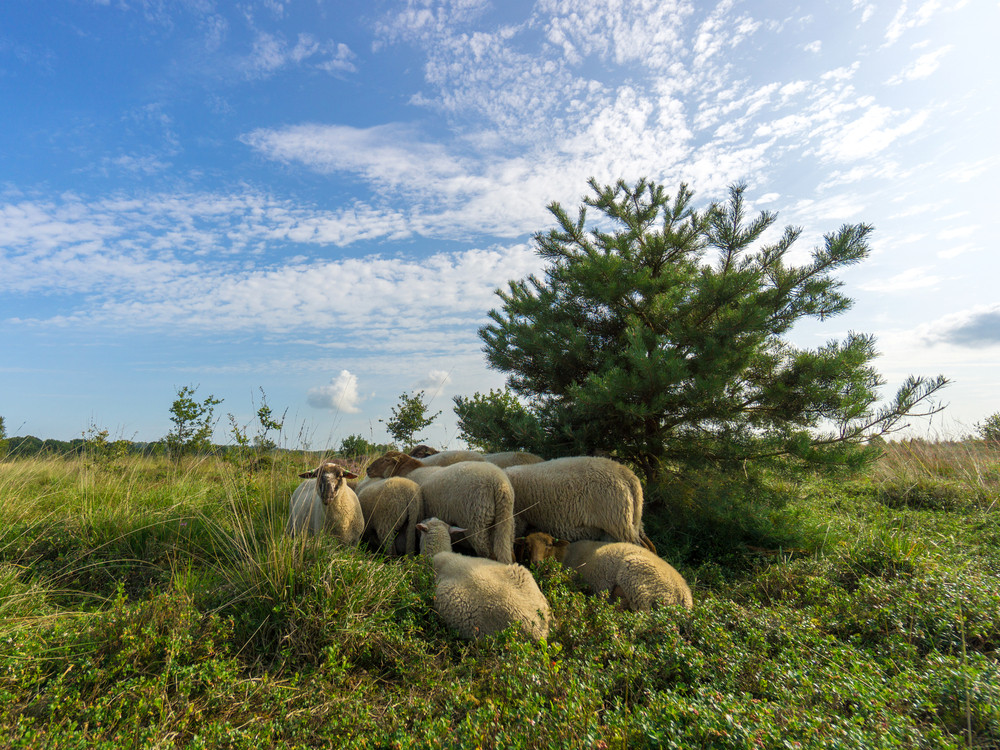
(318, 198)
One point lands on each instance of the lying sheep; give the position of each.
(479, 597)
(512, 458)
(391, 508)
(325, 503)
(474, 494)
(581, 497)
(632, 574)
(433, 457)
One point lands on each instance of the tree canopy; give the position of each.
(658, 334)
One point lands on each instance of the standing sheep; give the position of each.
(325, 503)
(392, 508)
(479, 597)
(473, 494)
(580, 497)
(633, 574)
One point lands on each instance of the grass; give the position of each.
(148, 605)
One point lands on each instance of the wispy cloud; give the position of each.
(923, 67)
(913, 278)
(272, 53)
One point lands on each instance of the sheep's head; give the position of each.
(539, 546)
(423, 451)
(393, 464)
(437, 536)
(330, 478)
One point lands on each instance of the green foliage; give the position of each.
(355, 446)
(658, 335)
(497, 421)
(4, 445)
(193, 424)
(409, 416)
(989, 429)
(101, 452)
(251, 453)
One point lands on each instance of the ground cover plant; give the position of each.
(151, 603)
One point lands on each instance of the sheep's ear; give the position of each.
(350, 474)
(422, 527)
(561, 544)
(308, 474)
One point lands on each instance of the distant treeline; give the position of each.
(29, 445)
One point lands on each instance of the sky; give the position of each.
(316, 199)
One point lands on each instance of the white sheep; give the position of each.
(636, 576)
(580, 497)
(324, 503)
(512, 458)
(473, 494)
(392, 508)
(433, 457)
(478, 597)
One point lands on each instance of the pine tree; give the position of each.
(657, 334)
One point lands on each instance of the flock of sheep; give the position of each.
(584, 511)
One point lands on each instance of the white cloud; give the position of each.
(340, 394)
(923, 67)
(272, 52)
(434, 381)
(913, 278)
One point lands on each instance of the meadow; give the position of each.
(152, 605)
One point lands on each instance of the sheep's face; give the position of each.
(423, 451)
(392, 464)
(330, 478)
(539, 546)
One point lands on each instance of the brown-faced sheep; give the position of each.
(324, 503)
(473, 494)
(580, 497)
(636, 576)
(478, 597)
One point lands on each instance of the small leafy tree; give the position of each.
(101, 452)
(249, 449)
(658, 334)
(193, 424)
(409, 416)
(497, 421)
(989, 429)
(3, 439)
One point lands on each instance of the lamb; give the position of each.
(474, 494)
(479, 597)
(433, 457)
(580, 497)
(325, 503)
(512, 458)
(391, 508)
(636, 576)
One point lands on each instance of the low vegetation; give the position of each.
(151, 603)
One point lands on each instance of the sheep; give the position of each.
(433, 457)
(479, 597)
(391, 508)
(324, 502)
(580, 497)
(512, 458)
(474, 494)
(636, 576)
